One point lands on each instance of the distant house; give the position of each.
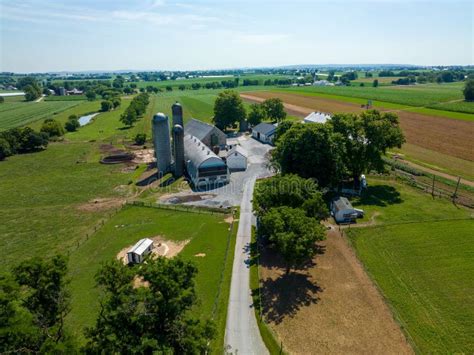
(236, 158)
(322, 83)
(208, 134)
(264, 132)
(75, 92)
(343, 212)
(62, 91)
(317, 117)
(137, 253)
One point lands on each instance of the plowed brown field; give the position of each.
(444, 135)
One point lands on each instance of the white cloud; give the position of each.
(261, 39)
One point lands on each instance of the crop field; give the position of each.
(65, 98)
(426, 95)
(207, 234)
(419, 253)
(15, 114)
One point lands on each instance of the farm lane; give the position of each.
(242, 333)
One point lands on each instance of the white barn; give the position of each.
(142, 248)
(264, 132)
(343, 212)
(237, 158)
(317, 117)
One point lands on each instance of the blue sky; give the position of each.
(55, 35)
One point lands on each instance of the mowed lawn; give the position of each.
(19, 113)
(421, 256)
(208, 234)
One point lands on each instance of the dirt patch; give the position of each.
(200, 255)
(331, 305)
(101, 204)
(144, 156)
(229, 219)
(443, 135)
(184, 198)
(161, 247)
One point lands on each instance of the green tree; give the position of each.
(46, 297)
(182, 87)
(32, 92)
(2, 100)
(72, 124)
(468, 90)
(281, 130)
(29, 140)
(140, 139)
(106, 106)
(169, 88)
(5, 149)
(129, 117)
(366, 139)
(375, 83)
(274, 109)
(149, 319)
(256, 115)
(292, 234)
(52, 127)
(311, 151)
(90, 94)
(116, 102)
(228, 109)
(289, 190)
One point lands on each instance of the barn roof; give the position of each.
(341, 203)
(264, 128)
(237, 148)
(199, 129)
(198, 152)
(317, 117)
(141, 246)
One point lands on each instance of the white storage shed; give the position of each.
(343, 212)
(142, 248)
(236, 158)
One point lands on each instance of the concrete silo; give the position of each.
(161, 141)
(178, 145)
(177, 111)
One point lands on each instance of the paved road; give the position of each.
(242, 334)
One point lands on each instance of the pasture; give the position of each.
(419, 253)
(19, 113)
(207, 234)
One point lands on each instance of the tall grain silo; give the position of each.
(177, 111)
(161, 141)
(178, 145)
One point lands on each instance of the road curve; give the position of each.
(242, 333)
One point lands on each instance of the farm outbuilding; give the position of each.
(343, 212)
(236, 158)
(317, 117)
(141, 249)
(203, 166)
(264, 132)
(208, 134)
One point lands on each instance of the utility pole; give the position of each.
(432, 186)
(455, 194)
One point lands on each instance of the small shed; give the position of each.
(236, 158)
(317, 117)
(142, 248)
(343, 212)
(264, 132)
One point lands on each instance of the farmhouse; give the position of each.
(208, 134)
(203, 166)
(264, 132)
(136, 254)
(317, 117)
(236, 158)
(343, 212)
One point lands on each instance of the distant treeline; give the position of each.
(434, 76)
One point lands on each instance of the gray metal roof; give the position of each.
(198, 152)
(317, 117)
(341, 203)
(264, 128)
(141, 246)
(198, 128)
(237, 148)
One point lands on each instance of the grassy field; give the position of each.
(419, 253)
(65, 98)
(434, 96)
(19, 113)
(208, 234)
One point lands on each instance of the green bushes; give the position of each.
(21, 140)
(52, 128)
(72, 124)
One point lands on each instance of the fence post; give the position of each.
(455, 194)
(432, 186)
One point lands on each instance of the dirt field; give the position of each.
(331, 307)
(161, 247)
(447, 136)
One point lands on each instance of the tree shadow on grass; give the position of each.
(380, 195)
